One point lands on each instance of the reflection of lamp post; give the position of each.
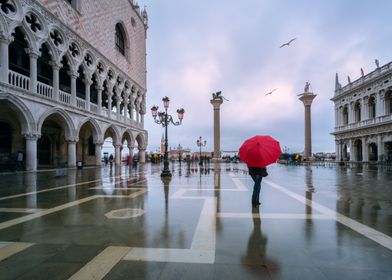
(200, 144)
(179, 148)
(165, 119)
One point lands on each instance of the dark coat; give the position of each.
(258, 171)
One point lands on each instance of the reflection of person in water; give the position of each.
(257, 244)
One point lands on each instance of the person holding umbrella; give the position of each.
(257, 174)
(258, 152)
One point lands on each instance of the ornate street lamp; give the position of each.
(200, 144)
(165, 119)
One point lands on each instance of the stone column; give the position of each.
(118, 103)
(56, 80)
(382, 110)
(131, 106)
(142, 155)
(307, 99)
(125, 107)
(71, 153)
(131, 147)
(4, 65)
(351, 143)
(351, 118)
(380, 148)
(31, 151)
(99, 101)
(337, 150)
(98, 153)
(117, 148)
(33, 69)
(216, 103)
(336, 117)
(365, 109)
(74, 75)
(88, 82)
(365, 156)
(109, 95)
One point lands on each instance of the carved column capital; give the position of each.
(32, 136)
(73, 74)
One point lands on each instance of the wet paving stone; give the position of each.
(313, 223)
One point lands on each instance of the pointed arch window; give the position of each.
(120, 39)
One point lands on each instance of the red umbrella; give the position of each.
(260, 151)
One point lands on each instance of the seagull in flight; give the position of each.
(288, 43)
(270, 92)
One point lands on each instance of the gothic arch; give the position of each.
(68, 125)
(116, 133)
(53, 51)
(25, 116)
(73, 65)
(97, 133)
(127, 135)
(141, 141)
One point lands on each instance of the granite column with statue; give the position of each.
(307, 99)
(216, 101)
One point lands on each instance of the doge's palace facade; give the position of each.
(72, 73)
(363, 117)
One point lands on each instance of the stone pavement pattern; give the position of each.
(313, 223)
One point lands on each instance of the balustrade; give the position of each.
(45, 90)
(64, 97)
(18, 80)
(93, 108)
(80, 103)
(23, 82)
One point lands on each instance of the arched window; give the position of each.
(120, 39)
(75, 4)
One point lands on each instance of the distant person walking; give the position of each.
(134, 162)
(111, 160)
(257, 174)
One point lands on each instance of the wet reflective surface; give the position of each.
(313, 223)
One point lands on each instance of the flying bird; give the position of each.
(288, 43)
(270, 92)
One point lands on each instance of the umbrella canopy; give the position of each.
(260, 151)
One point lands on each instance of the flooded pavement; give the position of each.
(313, 223)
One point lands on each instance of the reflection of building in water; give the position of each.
(363, 117)
(69, 80)
(356, 202)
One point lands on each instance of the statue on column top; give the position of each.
(306, 88)
(218, 95)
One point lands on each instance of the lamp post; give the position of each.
(165, 119)
(200, 143)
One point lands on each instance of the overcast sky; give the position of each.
(195, 48)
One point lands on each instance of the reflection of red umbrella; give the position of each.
(260, 151)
